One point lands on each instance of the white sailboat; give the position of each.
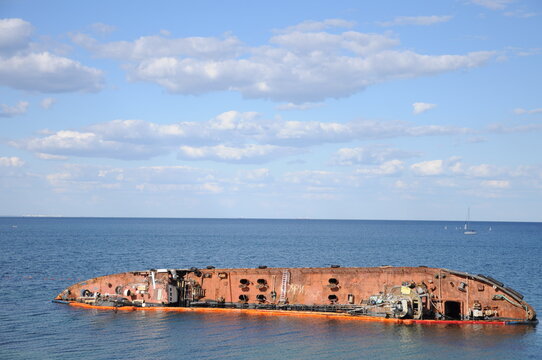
(466, 229)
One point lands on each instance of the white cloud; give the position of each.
(61, 179)
(169, 174)
(302, 65)
(511, 51)
(391, 167)
(520, 111)
(483, 170)
(493, 4)
(22, 67)
(311, 44)
(298, 78)
(529, 171)
(503, 129)
(14, 35)
(375, 154)
(304, 106)
(400, 184)
(314, 177)
(12, 161)
(320, 178)
(211, 188)
(300, 176)
(306, 133)
(248, 153)
(48, 73)
(310, 25)
(158, 47)
(74, 177)
(521, 14)
(10, 111)
(231, 136)
(234, 120)
(428, 168)
(87, 144)
(454, 165)
(319, 194)
(496, 184)
(421, 107)
(447, 183)
(417, 20)
(183, 182)
(102, 28)
(205, 188)
(47, 103)
(51, 157)
(254, 174)
(281, 75)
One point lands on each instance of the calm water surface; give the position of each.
(39, 257)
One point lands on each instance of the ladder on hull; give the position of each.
(284, 286)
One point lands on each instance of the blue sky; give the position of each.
(347, 110)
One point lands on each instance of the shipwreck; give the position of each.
(385, 293)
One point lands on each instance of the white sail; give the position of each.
(466, 229)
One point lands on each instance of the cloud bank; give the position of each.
(305, 63)
(22, 68)
(10, 111)
(421, 107)
(230, 137)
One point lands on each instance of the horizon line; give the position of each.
(252, 218)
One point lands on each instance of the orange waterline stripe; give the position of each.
(287, 313)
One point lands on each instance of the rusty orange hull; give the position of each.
(390, 294)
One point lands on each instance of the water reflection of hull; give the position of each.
(388, 294)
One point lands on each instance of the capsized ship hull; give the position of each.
(396, 294)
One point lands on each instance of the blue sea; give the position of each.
(39, 257)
